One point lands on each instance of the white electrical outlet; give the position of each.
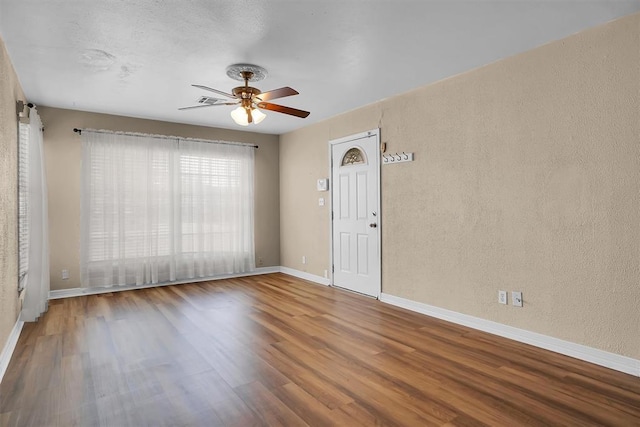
(326, 274)
(304, 259)
(516, 298)
(502, 297)
(65, 274)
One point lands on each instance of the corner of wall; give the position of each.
(10, 92)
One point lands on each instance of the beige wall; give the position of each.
(10, 92)
(526, 177)
(63, 154)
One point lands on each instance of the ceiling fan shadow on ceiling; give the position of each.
(250, 100)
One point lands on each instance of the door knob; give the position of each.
(373, 225)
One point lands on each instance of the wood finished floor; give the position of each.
(275, 350)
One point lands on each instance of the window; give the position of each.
(158, 209)
(33, 227)
(219, 178)
(23, 205)
(354, 156)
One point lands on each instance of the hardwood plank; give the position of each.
(361, 416)
(276, 350)
(369, 391)
(308, 408)
(271, 410)
(324, 391)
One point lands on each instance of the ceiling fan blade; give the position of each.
(197, 106)
(207, 105)
(277, 93)
(283, 109)
(228, 95)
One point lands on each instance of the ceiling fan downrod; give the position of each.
(246, 94)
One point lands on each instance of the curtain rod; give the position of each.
(208, 141)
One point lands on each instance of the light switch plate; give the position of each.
(323, 184)
(516, 298)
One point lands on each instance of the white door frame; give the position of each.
(332, 142)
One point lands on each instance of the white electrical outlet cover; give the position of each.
(502, 297)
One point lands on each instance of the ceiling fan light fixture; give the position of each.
(239, 115)
(257, 115)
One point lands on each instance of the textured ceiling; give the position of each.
(139, 58)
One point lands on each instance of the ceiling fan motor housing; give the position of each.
(246, 94)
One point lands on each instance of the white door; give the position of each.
(355, 170)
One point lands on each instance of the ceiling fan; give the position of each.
(250, 100)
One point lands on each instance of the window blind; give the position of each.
(23, 205)
(156, 210)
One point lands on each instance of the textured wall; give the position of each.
(526, 177)
(62, 157)
(10, 92)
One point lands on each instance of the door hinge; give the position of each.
(333, 268)
(331, 215)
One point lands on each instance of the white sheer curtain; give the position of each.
(157, 209)
(37, 277)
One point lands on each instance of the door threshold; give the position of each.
(354, 292)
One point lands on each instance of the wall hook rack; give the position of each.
(397, 158)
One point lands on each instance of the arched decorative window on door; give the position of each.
(353, 156)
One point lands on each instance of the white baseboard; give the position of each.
(9, 347)
(76, 292)
(259, 271)
(306, 276)
(578, 351)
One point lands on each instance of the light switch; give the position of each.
(323, 184)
